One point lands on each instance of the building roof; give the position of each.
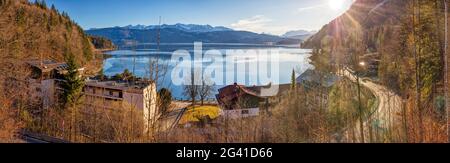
(314, 77)
(136, 87)
(282, 88)
(232, 89)
(232, 92)
(48, 65)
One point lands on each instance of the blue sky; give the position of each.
(261, 16)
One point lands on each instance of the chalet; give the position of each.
(47, 69)
(46, 79)
(311, 78)
(237, 101)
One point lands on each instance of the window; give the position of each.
(245, 112)
(111, 93)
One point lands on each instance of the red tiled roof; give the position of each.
(232, 92)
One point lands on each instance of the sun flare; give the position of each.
(336, 4)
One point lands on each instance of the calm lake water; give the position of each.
(138, 58)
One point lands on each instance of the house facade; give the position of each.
(111, 94)
(237, 101)
(47, 77)
(45, 81)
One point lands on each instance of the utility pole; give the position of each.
(154, 77)
(358, 70)
(134, 58)
(159, 35)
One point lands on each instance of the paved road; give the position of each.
(387, 115)
(33, 140)
(28, 137)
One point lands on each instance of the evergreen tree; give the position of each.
(87, 51)
(41, 3)
(54, 8)
(164, 100)
(73, 84)
(293, 81)
(101, 76)
(126, 75)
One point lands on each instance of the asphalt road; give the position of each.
(33, 140)
(387, 115)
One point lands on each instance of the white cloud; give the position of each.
(255, 23)
(259, 24)
(302, 9)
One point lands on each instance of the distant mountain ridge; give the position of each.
(187, 33)
(297, 33)
(179, 26)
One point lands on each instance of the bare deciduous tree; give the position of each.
(206, 89)
(190, 89)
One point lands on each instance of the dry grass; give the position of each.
(194, 114)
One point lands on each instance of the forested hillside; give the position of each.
(102, 43)
(29, 31)
(33, 31)
(408, 38)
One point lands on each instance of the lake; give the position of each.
(249, 57)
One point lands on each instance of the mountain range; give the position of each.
(188, 33)
(182, 27)
(297, 33)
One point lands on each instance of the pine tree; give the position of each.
(87, 52)
(164, 100)
(293, 81)
(73, 84)
(41, 3)
(54, 8)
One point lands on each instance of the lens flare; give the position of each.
(336, 4)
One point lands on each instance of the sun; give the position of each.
(336, 4)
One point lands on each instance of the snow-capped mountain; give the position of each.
(183, 27)
(135, 26)
(298, 33)
(187, 33)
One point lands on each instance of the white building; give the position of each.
(110, 94)
(47, 77)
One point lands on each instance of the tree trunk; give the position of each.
(417, 66)
(421, 129)
(446, 62)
